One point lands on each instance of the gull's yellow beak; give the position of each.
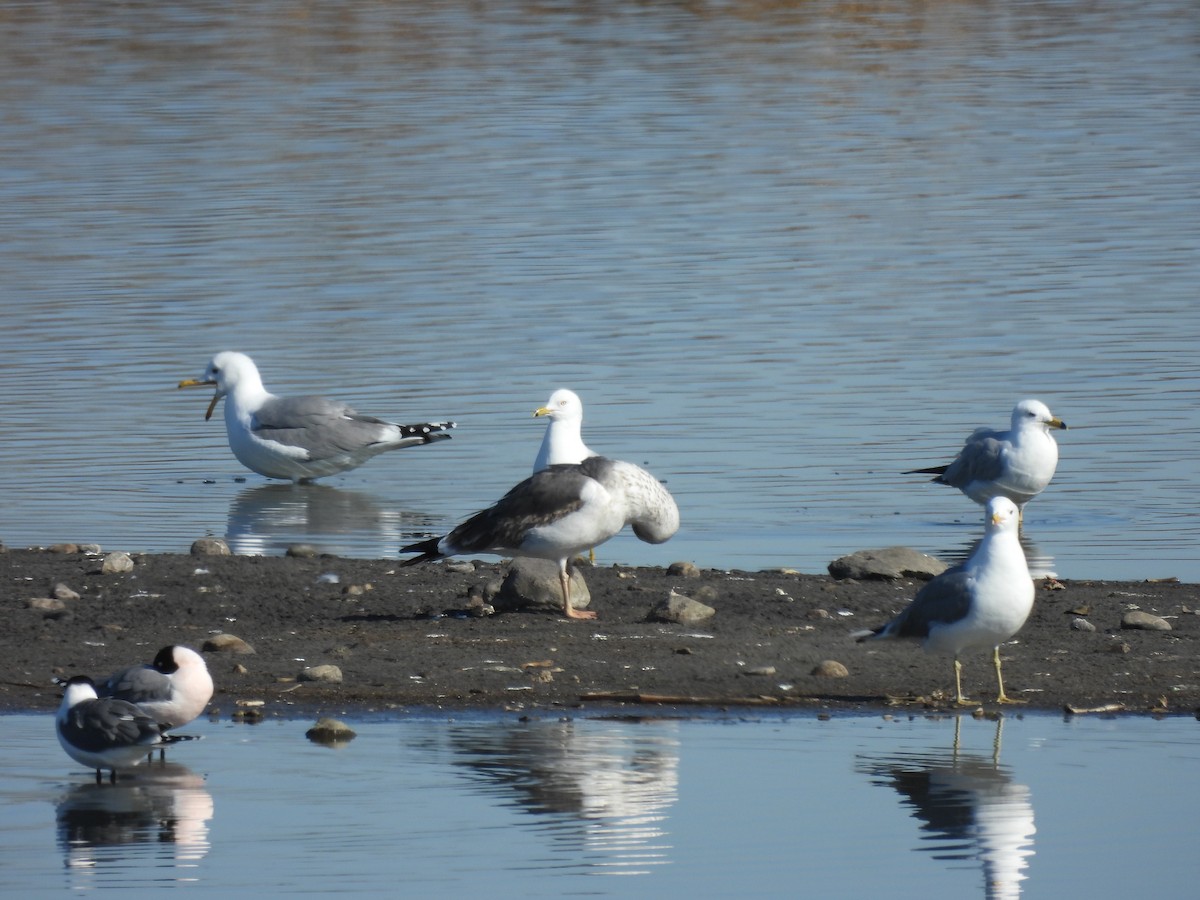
(997, 518)
(196, 382)
(1056, 422)
(541, 411)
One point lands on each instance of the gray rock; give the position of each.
(533, 584)
(62, 592)
(46, 604)
(210, 547)
(116, 563)
(759, 670)
(1145, 621)
(327, 673)
(683, 569)
(226, 643)
(830, 668)
(886, 564)
(1081, 624)
(302, 551)
(682, 610)
(460, 567)
(63, 548)
(331, 732)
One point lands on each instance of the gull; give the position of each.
(560, 511)
(172, 690)
(981, 603)
(1017, 464)
(105, 733)
(562, 442)
(299, 438)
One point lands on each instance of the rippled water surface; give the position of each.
(425, 805)
(784, 252)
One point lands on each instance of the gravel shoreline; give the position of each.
(403, 637)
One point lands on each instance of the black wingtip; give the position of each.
(932, 470)
(427, 548)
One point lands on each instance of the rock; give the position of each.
(116, 563)
(46, 604)
(62, 592)
(887, 564)
(90, 549)
(460, 567)
(533, 584)
(1081, 624)
(63, 548)
(302, 551)
(210, 547)
(226, 643)
(830, 668)
(1145, 621)
(331, 732)
(327, 673)
(759, 670)
(682, 610)
(706, 593)
(683, 570)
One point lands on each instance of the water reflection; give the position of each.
(163, 811)
(604, 790)
(1039, 560)
(267, 518)
(970, 807)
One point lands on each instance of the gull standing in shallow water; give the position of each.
(561, 511)
(563, 442)
(172, 690)
(981, 603)
(299, 438)
(103, 733)
(1017, 464)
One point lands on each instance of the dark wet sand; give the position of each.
(404, 642)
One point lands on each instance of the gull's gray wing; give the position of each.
(137, 684)
(322, 427)
(945, 599)
(981, 459)
(97, 725)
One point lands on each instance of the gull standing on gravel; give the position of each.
(981, 603)
(563, 441)
(299, 438)
(559, 512)
(1017, 464)
(103, 733)
(172, 690)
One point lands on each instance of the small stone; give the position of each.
(1081, 624)
(1119, 647)
(328, 673)
(226, 643)
(759, 670)
(681, 609)
(63, 548)
(460, 567)
(818, 614)
(46, 604)
(302, 551)
(353, 590)
(330, 732)
(830, 668)
(116, 563)
(683, 569)
(890, 563)
(210, 547)
(1145, 621)
(62, 592)
(239, 669)
(90, 549)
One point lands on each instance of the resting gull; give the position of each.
(172, 690)
(105, 733)
(981, 603)
(1017, 464)
(559, 512)
(299, 438)
(562, 442)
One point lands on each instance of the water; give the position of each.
(784, 252)
(426, 805)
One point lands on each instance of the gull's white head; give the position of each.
(77, 690)
(1002, 515)
(1035, 414)
(225, 372)
(563, 405)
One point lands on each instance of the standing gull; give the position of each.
(981, 603)
(105, 733)
(299, 438)
(1017, 464)
(562, 442)
(172, 690)
(561, 511)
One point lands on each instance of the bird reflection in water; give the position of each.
(601, 794)
(970, 807)
(267, 518)
(163, 812)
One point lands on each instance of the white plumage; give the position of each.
(563, 440)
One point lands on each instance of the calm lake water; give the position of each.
(429, 805)
(783, 251)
